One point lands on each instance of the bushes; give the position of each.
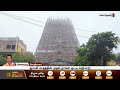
(16, 57)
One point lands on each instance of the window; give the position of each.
(13, 47)
(8, 46)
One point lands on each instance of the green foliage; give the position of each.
(4, 54)
(98, 49)
(2, 60)
(19, 57)
(16, 57)
(81, 59)
(118, 57)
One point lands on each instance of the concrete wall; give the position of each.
(19, 45)
(3, 46)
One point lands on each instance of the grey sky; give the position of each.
(83, 20)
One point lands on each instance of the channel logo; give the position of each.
(108, 15)
(8, 74)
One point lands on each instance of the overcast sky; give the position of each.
(83, 20)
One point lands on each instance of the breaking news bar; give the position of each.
(59, 72)
(22, 67)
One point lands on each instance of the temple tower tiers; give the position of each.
(58, 43)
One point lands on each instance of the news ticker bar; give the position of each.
(59, 74)
(59, 67)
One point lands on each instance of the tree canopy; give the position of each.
(98, 50)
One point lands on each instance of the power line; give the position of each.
(15, 16)
(85, 30)
(83, 36)
(19, 18)
(91, 31)
(24, 17)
